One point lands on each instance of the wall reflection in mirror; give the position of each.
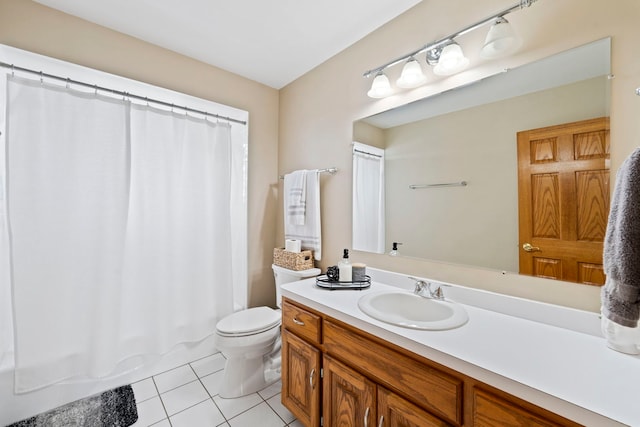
(470, 134)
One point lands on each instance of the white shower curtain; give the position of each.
(368, 198)
(119, 220)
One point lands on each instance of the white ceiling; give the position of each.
(270, 41)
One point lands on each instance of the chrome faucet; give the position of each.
(427, 289)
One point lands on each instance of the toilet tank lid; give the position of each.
(311, 272)
(251, 320)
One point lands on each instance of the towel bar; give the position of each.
(332, 171)
(445, 184)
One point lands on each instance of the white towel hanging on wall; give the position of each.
(309, 233)
(295, 196)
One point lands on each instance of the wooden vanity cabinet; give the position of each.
(431, 388)
(351, 400)
(353, 378)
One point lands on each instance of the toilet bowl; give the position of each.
(250, 341)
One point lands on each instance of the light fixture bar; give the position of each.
(441, 42)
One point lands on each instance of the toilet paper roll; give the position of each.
(292, 245)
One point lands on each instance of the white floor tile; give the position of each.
(183, 397)
(276, 405)
(212, 382)
(149, 412)
(260, 415)
(144, 390)
(209, 365)
(174, 378)
(296, 423)
(163, 423)
(205, 414)
(271, 391)
(232, 407)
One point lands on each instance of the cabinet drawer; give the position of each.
(301, 322)
(491, 410)
(432, 389)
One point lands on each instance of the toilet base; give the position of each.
(245, 376)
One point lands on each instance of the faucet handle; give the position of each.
(437, 293)
(418, 281)
(420, 285)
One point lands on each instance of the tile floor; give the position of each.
(187, 396)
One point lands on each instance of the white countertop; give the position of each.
(570, 373)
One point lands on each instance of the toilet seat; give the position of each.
(249, 322)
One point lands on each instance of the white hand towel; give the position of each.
(309, 232)
(295, 196)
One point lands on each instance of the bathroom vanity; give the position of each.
(341, 367)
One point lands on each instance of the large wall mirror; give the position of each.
(451, 168)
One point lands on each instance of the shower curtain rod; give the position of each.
(368, 154)
(119, 93)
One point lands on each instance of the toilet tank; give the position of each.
(284, 275)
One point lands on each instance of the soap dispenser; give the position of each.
(344, 267)
(394, 249)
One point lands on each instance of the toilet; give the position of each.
(250, 341)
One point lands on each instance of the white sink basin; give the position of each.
(406, 309)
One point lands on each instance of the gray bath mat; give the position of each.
(113, 408)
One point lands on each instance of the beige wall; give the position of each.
(30, 26)
(317, 111)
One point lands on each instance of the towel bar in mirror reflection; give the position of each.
(331, 170)
(444, 184)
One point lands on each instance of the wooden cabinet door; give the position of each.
(563, 200)
(394, 411)
(349, 397)
(301, 379)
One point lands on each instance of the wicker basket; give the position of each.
(302, 260)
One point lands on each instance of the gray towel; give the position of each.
(621, 292)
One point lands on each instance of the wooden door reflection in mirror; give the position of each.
(563, 200)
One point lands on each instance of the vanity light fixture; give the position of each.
(445, 55)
